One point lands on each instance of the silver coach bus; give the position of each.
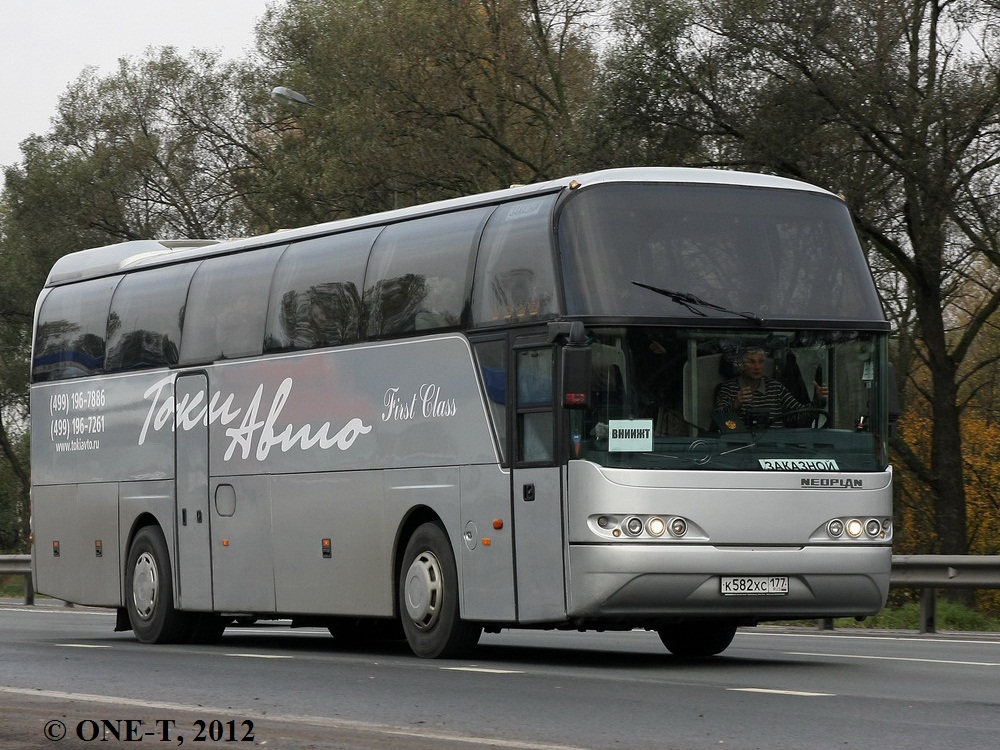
(527, 408)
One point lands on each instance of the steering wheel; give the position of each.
(813, 410)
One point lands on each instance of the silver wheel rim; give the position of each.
(145, 580)
(423, 591)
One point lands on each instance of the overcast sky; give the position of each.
(46, 44)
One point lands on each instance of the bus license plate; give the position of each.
(754, 585)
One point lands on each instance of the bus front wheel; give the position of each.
(149, 593)
(697, 639)
(428, 597)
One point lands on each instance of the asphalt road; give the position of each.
(68, 681)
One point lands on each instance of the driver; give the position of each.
(753, 391)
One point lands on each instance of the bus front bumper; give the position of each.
(652, 582)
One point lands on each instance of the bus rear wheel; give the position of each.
(149, 591)
(697, 639)
(428, 597)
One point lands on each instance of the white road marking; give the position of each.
(482, 669)
(47, 609)
(897, 658)
(800, 693)
(860, 637)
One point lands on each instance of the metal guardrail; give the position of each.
(925, 572)
(19, 565)
(932, 572)
(946, 571)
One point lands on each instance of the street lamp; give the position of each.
(285, 95)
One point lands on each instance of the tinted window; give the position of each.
(492, 359)
(147, 312)
(515, 276)
(777, 254)
(227, 306)
(316, 295)
(418, 273)
(72, 324)
(535, 421)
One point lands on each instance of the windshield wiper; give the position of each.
(702, 452)
(692, 303)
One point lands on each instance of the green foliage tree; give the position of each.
(896, 105)
(13, 491)
(15, 344)
(152, 150)
(422, 99)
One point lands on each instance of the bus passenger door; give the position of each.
(537, 492)
(192, 518)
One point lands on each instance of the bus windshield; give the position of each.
(734, 399)
(713, 252)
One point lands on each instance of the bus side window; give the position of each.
(419, 272)
(492, 359)
(72, 325)
(535, 419)
(147, 312)
(226, 307)
(515, 278)
(316, 294)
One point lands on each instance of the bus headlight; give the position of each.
(645, 527)
(848, 529)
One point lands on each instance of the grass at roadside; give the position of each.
(950, 616)
(11, 587)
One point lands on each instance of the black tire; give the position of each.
(429, 598)
(697, 639)
(149, 591)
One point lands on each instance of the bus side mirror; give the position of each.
(576, 377)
